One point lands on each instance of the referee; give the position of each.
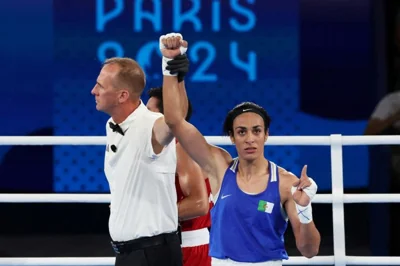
(140, 164)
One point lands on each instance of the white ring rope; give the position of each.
(105, 198)
(109, 261)
(215, 140)
(337, 198)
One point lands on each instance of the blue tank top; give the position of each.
(247, 227)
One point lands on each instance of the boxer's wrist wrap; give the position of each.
(305, 212)
(165, 59)
(312, 189)
(179, 65)
(165, 65)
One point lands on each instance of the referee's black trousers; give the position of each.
(160, 250)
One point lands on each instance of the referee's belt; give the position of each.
(144, 242)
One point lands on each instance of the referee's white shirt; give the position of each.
(142, 184)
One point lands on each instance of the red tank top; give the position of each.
(198, 222)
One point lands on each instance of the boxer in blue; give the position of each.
(254, 198)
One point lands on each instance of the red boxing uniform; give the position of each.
(195, 234)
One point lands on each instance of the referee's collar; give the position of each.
(136, 113)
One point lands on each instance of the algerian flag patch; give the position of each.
(265, 206)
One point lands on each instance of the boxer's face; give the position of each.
(152, 104)
(249, 135)
(106, 95)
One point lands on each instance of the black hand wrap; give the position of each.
(179, 65)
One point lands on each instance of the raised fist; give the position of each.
(172, 45)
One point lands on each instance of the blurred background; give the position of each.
(318, 67)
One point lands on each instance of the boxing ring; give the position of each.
(337, 198)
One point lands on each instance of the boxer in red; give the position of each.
(194, 198)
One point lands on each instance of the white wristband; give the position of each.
(164, 66)
(304, 213)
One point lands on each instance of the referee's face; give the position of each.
(106, 96)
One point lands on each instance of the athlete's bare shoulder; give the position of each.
(286, 176)
(220, 153)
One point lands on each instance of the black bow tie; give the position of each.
(116, 127)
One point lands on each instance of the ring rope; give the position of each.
(337, 198)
